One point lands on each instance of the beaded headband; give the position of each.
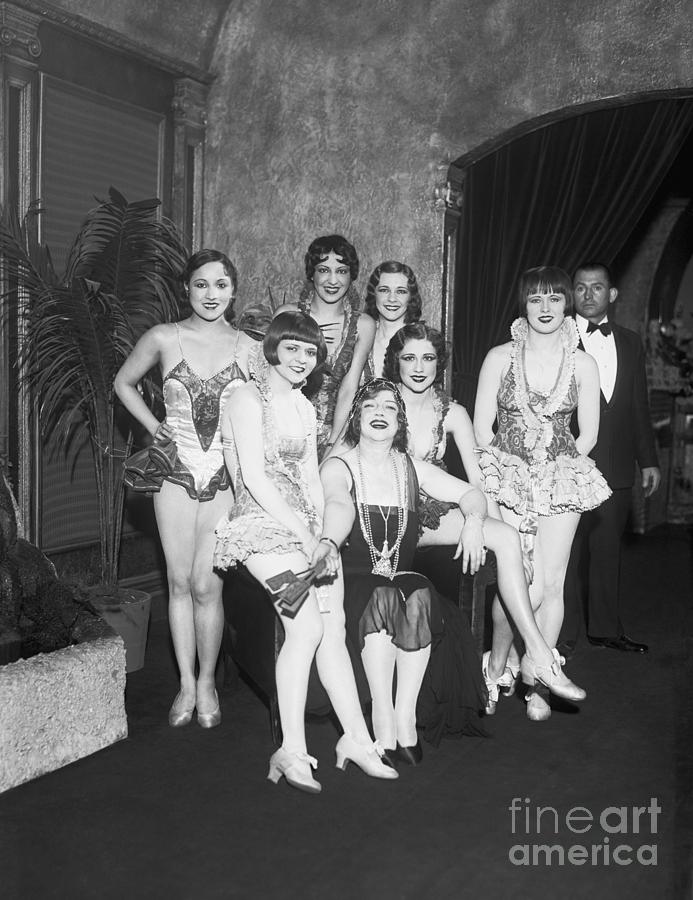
(371, 388)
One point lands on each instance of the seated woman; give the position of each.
(416, 359)
(332, 266)
(268, 430)
(392, 300)
(395, 618)
(538, 472)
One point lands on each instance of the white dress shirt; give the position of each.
(602, 347)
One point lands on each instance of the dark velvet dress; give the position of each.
(414, 614)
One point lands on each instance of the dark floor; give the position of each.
(189, 813)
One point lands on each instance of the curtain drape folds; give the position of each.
(571, 192)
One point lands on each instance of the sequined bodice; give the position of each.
(510, 436)
(182, 386)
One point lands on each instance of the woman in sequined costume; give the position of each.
(416, 359)
(275, 525)
(538, 473)
(201, 359)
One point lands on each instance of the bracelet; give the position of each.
(473, 515)
(327, 540)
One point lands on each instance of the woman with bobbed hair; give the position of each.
(201, 359)
(415, 360)
(539, 474)
(392, 300)
(275, 525)
(332, 266)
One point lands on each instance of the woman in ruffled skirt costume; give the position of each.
(535, 469)
(201, 359)
(275, 525)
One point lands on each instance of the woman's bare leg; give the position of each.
(176, 515)
(553, 542)
(206, 589)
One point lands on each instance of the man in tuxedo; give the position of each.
(625, 436)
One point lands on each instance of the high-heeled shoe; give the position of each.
(295, 767)
(538, 709)
(178, 715)
(368, 757)
(412, 756)
(210, 720)
(553, 677)
(493, 685)
(508, 680)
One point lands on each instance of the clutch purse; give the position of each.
(289, 589)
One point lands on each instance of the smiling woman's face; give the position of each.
(379, 416)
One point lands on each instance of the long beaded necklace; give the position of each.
(384, 561)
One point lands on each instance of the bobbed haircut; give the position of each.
(415, 331)
(201, 258)
(293, 326)
(392, 267)
(331, 243)
(372, 388)
(541, 280)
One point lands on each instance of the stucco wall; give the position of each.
(322, 120)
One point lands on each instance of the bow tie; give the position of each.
(605, 328)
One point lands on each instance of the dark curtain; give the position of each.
(568, 193)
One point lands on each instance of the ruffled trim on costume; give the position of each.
(566, 484)
(240, 537)
(146, 471)
(431, 511)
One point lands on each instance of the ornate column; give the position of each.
(20, 50)
(189, 124)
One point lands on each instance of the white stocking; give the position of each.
(411, 667)
(378, 657)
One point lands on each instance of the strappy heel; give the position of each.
(495, 685)
(296, 768)
(553, 677)
(368, 757)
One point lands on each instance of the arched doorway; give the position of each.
(560, 189)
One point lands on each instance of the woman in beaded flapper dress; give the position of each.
(535, 469)
(392, 301)
(397, 623)
(332, 266)
(275, 525)
(416, 360)
(201, 359)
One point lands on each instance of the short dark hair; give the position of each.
(371, 388)
(549, 279)
(415, 331)
(321, 247)
(392, 267)
(293, 326)
(596, 265)
(201, 258)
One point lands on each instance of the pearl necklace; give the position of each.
(385, 561)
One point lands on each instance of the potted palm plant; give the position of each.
(120, 279)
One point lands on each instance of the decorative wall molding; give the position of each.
(108, 37)
(190, 103)
(19, 33)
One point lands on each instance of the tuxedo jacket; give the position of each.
(625, 429)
